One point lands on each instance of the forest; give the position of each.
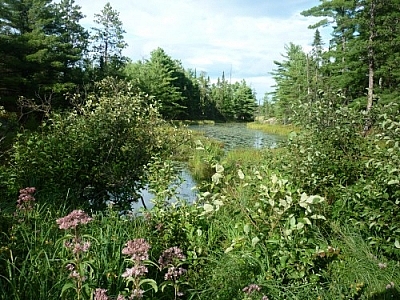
(84, 129)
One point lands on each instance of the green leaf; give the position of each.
(229, 249)
(151, 282)
(397, 244)
(219, 168)
(67, 286)
(254, 241)
(216, 178)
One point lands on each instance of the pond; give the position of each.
(233, 136)
(237, 135)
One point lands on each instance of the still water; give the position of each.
(237, 135)
(233, 136)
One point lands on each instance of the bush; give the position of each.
(99, 148)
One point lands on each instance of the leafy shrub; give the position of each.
(328, 154)
(98, 148)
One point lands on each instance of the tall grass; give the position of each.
(278, 129)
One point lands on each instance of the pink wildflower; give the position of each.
(135, 271)
(77, 246)
(174, 273)
(72, 220)
(70, 267)
(169, 256)
(26, 200)
(137, 249)
(100, 294)
(136, 293)
(251, 288)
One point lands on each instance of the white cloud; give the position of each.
(207, 36)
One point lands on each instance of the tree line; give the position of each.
(360, 62)
(47, 54)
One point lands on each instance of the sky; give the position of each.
(239, 37)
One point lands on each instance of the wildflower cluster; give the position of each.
(77, 267)
(74, 274)
(172, 259)
(138, 250)
(171, 256)
(77, 245)
(252, 288)
(26, 200)
(100, 294)
(72, 220)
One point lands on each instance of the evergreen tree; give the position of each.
(245, 102)
(208, 108)
(25, 47)
(364, 49)
(315, 64)
(157, 77)
(341, 56)
(41, 44)
(73, 40)
(291, 81)
(108, 43)
(222, 95)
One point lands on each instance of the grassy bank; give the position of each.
(274, 128)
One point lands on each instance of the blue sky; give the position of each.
(240, 37)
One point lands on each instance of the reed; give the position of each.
(277, 129)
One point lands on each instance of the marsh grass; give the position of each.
(205, 153)
(278, 129)
(193, 122)
(359, 271)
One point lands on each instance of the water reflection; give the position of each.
(233, 135)
(237, 135)
(186, 189)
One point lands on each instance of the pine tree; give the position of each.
(108, 42)
(73, 40)
(158, 78)
(341, 55)
(291, 81)
(39, 56)
(244, 101)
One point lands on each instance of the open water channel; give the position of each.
(233, 135)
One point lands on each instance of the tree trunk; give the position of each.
(371, 59)
(371, 65)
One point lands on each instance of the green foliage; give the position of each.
(328, 153)
(291, 77)
(99, 148)
(108, 43)
(41, 46)
(244, 102)
(207, 153)
(161, 77)
(347, 277)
